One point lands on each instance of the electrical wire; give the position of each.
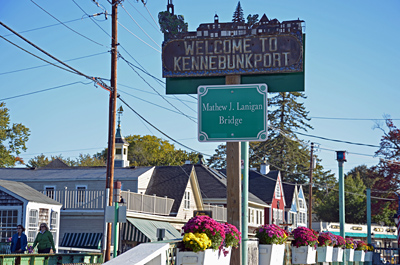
(150, 13)
(39, 66)
(175, 141)
(119, 23)
(43, 90)
(36, 55)
(48, 26)
(144, 80)
(349, 119)
(151, 24)
(141, 27)
(153, 103)
(97, 80)
(67, 26)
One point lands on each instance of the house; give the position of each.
(267, 185)
(291, 194)
(213, 188)
(302, 217)
(21, 204)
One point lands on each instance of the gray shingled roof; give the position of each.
(263, 186)
(170, 181)
(251, 195)
(26, 192)
(288, 190)
(68, 174)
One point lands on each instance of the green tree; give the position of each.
(355, 203)
(150, 150)
(170, 24)
(218, 160)
(38, 161)
(238, 16)
(283, 149)
(251, 20)
(90, 161)
(13, 138)
(84, 160)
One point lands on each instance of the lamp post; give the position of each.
(341, 158)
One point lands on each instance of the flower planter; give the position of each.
(208, 256)
(324, 254)
(368, 256)
(337, 255)
(303, 255)
(359, 255)
(271, 254)
(349, 254)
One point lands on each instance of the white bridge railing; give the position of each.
(95, 200)
(219, 213)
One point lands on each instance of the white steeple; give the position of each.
(121, 145)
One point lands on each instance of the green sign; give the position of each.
(231, 113)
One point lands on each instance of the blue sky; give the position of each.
(352, 72)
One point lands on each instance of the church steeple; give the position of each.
(121, 145)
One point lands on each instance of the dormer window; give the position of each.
(278, 190)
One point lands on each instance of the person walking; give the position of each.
(44, 240)
(19, 241)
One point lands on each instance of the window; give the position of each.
(53, 223)
(205, 33)
(49, 191)
(124, 151)
(186, 200)
(301, 204)
(33, 225)
(80, 194)
(278, 190)
(118, 151)
(8, 223)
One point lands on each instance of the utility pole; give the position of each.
(111, 120)
(310, 188)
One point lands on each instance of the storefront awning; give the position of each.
(350, 234)
(82, 240)
(385, 236)
(140, 230)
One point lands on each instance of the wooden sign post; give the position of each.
(233, 188)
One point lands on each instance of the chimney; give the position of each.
(264, 167)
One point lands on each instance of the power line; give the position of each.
(156, 28)
(339, 141)
(19, 47)
(140, 27)
(67, 26)
(43, 90)
(138, 37)
(190, 118)
(154, 104)
(95, 79)
(349, 119)
(175, 141)
(44, 27)
(34, 67)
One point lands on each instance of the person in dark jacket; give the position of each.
(44, 240)
(19, 240)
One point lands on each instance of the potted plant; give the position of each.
(369, 253)
(304, 246)
(340, 244)
(205, 242)
(232, 236)
(326, 240)
(359, 253)
(350, 246)
(272, 240)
